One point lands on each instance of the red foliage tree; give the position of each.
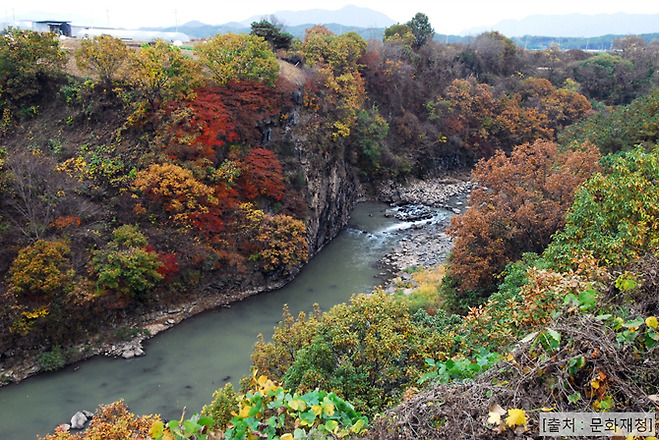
(261, 175)
(520, 202)
(220, 116)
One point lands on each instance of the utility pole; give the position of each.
(107, 13)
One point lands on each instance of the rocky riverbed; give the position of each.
(425, 243)
(441, 192)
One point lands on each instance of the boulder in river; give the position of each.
(131, 349)
(131, 352)
(78, 420)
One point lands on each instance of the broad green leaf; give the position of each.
(307, 418)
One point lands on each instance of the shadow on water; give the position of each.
(183, 366)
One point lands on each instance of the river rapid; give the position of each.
(184, 365)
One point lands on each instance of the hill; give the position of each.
(575, 25)
(348, 16)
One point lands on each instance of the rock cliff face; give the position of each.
(332, 191)
(332, 187)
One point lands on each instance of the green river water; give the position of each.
(184, 365)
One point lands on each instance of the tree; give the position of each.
(615, 215)
(562, 106)
(177, 192)
(41, 271)
(104, 55)
(160, 72)
(283, 242)
(495, 54)
(273, 34)
(261, 175)
(27, 59)
(111, 422)
(337, 62)
(520, 202)
(369, 134)
(619, 128)
(399, 33)
(605, 77)
(340, 53)
(277, 242)
(34, 191)
(421, 29)
(367, 351)
(126, 267)
(238, 56)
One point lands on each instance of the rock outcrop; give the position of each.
(78, 420)
(437, 192)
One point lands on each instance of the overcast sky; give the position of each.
(446, 16)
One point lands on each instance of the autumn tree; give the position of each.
(175, 191)
(619, 128)
(34, 192)
(111, 422)
(27, 59)
(520, 202)
(615, 215)
(492, 55)
(472, 117)
(336, 59)
(284, 243)
(41, 271)
(421, 29)
(399, 33)
(125, 266)
(562, 106)
(221, 116)
(261, 175)
(367, 350)
(160, 72)
(104, 55)
(645, 59)
(277, 242)
(239, 56)
(605, 77)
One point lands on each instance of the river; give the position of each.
(184, 365)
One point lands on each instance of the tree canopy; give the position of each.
(421, 29)
(233, 56)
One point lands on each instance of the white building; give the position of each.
(131, 35)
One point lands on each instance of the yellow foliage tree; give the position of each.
(160, 73)
(104, 55)
(42, 271)
(176, 191)
(337, 60)
(239, 56)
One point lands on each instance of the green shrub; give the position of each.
(53, 360)
(126, 266)
(615, 216)
(367, 351)
(225, 402)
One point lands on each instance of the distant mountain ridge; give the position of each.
(371, 24)
(348, 16)
(575, 25)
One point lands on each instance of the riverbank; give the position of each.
(425, 243)
(139, 328)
